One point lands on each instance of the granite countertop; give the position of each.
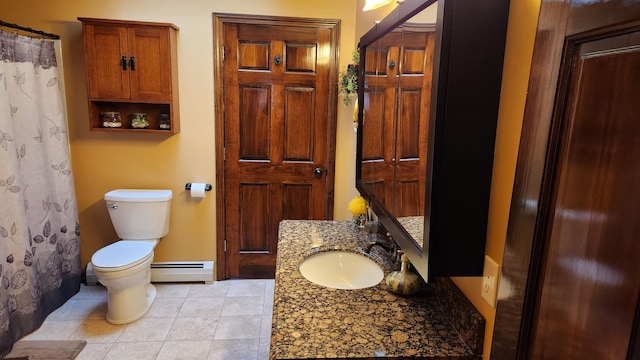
(314, 322)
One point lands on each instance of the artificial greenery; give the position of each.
(349, 80)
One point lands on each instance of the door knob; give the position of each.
(277, 60)
(317, 172)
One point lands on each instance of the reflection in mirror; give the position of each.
(381, 82)
(412, 122)
(429, 148)
(395, 126)
(372, 141)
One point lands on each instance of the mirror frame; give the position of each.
(467, 76)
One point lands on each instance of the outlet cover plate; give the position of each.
(490, 277)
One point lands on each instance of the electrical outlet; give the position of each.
(490, 276)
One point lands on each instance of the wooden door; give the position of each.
(397, 100)
(572, 250)
(279, 82)
(105, 46)
(591, 278)
(380, 103)
(151, 74)
(412, 124)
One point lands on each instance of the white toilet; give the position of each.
(140, 218)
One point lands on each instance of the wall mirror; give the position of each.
(427, 128)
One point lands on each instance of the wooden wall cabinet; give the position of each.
(131, 67)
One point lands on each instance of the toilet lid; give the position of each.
(123, 254)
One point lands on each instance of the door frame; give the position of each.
(219, 20)
(539, 143)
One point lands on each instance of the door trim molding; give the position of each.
(219, 20)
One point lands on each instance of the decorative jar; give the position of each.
(164, 122)
(111, 119)
(360, 221)
(139, 121)
(403, 282)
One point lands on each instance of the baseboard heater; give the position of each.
(172, 271)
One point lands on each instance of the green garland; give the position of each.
(349, 80)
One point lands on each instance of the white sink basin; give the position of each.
(341, 270)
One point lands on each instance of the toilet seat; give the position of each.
(122, 255)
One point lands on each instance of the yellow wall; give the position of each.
(105, 161)
(523, 20)
(102, 162)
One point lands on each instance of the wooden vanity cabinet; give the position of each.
(131, 67)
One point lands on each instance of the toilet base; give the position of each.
(129, 305)
(130, 293)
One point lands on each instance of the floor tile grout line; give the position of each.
(240, 290)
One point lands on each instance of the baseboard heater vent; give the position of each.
(182, 271)
(172, 271)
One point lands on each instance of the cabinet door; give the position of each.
(105, 46)
(150, 75)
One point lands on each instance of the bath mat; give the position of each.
(49, 349)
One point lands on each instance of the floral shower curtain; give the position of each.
(39, 235)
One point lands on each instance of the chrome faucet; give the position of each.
(387, 245)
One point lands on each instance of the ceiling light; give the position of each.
(374, 4)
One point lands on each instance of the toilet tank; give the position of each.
(139, 214)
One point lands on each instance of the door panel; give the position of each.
(591, 279)
(379, 109)
(253, 55)
(296, 201)
(255, 130)
(301, 57)
(412, 128)
(299, 121)
(277, 118)
(254, 229)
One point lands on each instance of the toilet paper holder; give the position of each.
(207, 187)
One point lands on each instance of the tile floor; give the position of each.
(225, 320)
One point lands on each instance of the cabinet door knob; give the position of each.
(123, 62)
(132, 63)
(277, 60)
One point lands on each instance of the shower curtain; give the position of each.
(39, 234)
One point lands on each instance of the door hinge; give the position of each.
(225, 245)
(224, 154)
(223, 53)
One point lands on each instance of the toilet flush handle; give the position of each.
(112, 206)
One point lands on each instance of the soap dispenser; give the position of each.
(403, 282)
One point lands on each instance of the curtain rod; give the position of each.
(28, 29)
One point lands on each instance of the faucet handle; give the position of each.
(397, 257)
